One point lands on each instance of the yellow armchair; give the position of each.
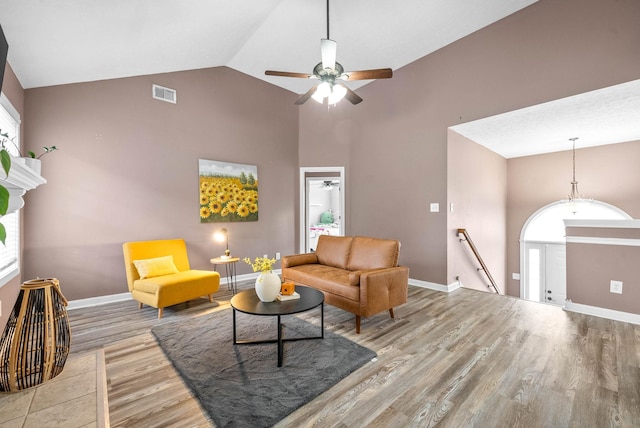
(167, 277)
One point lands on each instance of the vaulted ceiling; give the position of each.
(68, 41)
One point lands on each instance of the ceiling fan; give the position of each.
(329, 72)
(329, 184)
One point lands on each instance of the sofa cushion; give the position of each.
(326, 278)
(373, 253)
(157, 266)
(334, 250)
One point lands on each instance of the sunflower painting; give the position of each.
(228, 191)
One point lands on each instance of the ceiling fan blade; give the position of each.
(352, 97)
(328, 49)
(303, 98)
(289, 74)
(378, 73)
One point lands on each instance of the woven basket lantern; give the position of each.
(35, 342)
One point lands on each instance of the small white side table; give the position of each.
(230, 269)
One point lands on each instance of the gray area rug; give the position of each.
(241, 386)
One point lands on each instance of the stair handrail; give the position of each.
(477, 254)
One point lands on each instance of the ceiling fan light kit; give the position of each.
(328, 71)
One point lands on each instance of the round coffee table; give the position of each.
(247, 302)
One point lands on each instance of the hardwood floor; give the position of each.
(466, 358)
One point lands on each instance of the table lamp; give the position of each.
(221, 236)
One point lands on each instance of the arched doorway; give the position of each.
(543, 248)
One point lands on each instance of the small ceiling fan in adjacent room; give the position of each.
(330, 72)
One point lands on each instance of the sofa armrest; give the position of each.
(299, 259)
(382, 289)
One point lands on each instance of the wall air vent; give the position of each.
(164, 94)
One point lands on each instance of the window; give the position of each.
(10, 252)
(547, 225)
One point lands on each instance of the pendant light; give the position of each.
(575, 198)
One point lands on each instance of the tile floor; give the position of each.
(75, 398)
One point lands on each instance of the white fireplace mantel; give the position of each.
(20, 180)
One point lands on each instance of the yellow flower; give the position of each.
(232, 206)
(224, 212)
(204, 212)
(243, 211)
(210, 191)
(250, 199)
(253, 208)
(238, 198)
(261, 264)
(215, 206)
(204, 199)
(223, 197)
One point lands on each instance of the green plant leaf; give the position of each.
(4, 200)
(31, 154)
(3, 234)
(5, 159)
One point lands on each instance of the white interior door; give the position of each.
(545, 272)
(555, 273)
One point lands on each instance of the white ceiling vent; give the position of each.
(164, 94)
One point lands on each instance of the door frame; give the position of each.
(302, 244)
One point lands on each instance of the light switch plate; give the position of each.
(434, 207)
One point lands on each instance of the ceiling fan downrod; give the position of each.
(328, 20)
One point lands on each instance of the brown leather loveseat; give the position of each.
(358, 274)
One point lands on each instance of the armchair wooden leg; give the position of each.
(160, 313)
(358, 318)
(210, 298)
(391, 313)
(140, 305)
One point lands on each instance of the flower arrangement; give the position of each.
(262, 264)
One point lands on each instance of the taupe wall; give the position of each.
(127, 169)
(394, 144)
(591, 266)
(477, 188)
(607, 173)
(12, 89)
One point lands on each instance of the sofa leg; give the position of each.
(140, 305)
(391, 313)
(358, 317)
(159, 313)
(210, 298)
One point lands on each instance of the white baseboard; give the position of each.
(100, 300)
(433, 286)
(601, 312)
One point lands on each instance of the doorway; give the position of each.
(543, 248)
(322, 205)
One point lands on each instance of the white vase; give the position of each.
(267, 286)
